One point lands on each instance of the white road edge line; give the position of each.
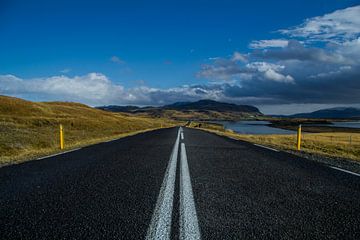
(343, 170)
(160, 225)
(182, 135)
(269, 148)
(189, 225)
(60, 153)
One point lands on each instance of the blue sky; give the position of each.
(156, 52)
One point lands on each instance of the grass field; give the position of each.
(334, 144)
(31, 129)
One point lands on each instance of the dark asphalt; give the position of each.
(105, 191)
(241, 191)
(246, 192)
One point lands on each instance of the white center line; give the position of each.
(182, 136)
(189, 226)
(160, 226)
(343, 170)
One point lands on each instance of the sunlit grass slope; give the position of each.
(327, 144)
(334, 144)
(30, 129)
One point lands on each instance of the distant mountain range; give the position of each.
(332, 113)
(200, 110)
(116, 108)
(214, 110)
(212, 105)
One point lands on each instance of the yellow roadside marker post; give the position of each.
(299, 138)
(61, 137)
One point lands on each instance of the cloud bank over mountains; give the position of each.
(97, 89)
(316, 62)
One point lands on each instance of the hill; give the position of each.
(200, 110)
(115, 108)
(331, 113)
(212, 105)
(30, 128)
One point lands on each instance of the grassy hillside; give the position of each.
(331, 144)
(334, 144)
(29, 129)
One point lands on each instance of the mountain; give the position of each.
(211, 105)
(115, 108)
(199, 110)
(338, 113)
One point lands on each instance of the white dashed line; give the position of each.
(182, 136)
(160, 226)
(343, 170)
(57, 154)
(189, 226)
(269, 148)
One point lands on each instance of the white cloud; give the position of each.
(66, 70)
(221, 69)
(10, 84)
(232, 72)
(97, 89)
(332, 73)
(239, 57)
(339, 26)
(264, 66)
(272, 43)
(278, 77)
(297, 51)
(116, 59)
(350, 50)
(271, 71)
(91, 88)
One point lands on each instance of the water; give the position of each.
(254, 127)
(262, 127)
(355, 124)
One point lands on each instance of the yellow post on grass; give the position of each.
(299, 138)
(61, 137)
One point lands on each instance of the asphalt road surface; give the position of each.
(177, 184)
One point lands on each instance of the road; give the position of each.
(177, 184)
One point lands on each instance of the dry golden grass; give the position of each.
(341, 145)
(30, 129)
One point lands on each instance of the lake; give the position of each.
(254, 127)
(347, 124)
(262, 127)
